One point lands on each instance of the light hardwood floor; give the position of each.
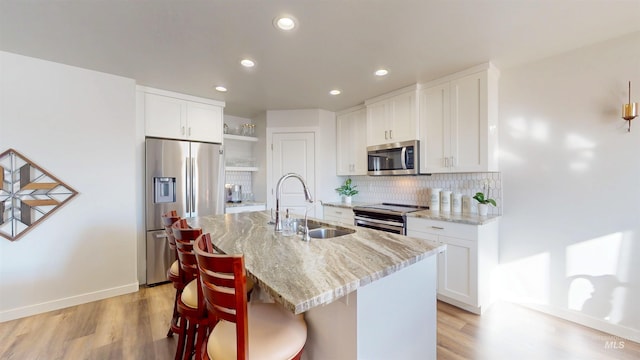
(134, 327)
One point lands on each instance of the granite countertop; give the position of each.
(301, 275)
(345, 205)
(470, 219)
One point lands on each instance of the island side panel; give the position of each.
(391, 318)
(397, 314)
(332, 330)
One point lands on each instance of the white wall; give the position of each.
(79, 125)
(570, 235)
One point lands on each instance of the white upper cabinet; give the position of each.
(392, 117)
(177, 116)
(351, 142)
(458, 122)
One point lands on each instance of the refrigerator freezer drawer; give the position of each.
(159, 257)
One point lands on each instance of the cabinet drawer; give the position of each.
(342, 215)
(444, 228)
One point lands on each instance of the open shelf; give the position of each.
(240, 137)
(240, 168)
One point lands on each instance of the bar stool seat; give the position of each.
(274, 334)
(174, 269)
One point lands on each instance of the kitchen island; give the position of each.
(366, 295)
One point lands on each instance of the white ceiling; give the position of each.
(191, 46)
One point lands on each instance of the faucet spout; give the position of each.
(307, 196)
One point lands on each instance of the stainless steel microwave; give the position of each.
(399, 158)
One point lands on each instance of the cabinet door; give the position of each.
(403, 118)
(377, 121)
(341, 215)
(164, 116)
(343, 148)
(434, 129)
(359, 142)
(469, 123)
(204, 122)
(351, 143)
(457, 270)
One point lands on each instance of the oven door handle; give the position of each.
(377, 226)
(381, 223)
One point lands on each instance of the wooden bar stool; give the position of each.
(191, 306)
(174, 272)
(242, 330)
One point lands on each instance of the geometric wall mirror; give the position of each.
(28, 194)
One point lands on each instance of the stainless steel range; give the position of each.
(386, 217)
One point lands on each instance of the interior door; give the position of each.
(294, 153)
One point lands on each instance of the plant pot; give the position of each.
(346, 199)
(483, 209)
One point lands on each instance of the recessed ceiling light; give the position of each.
(221, 88)
(247, 63)
(335, 92)
(285, 23)
(381, 72)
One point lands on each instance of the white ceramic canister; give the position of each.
(456, 203)
(434, 199)
(466, 204)
(445, 201)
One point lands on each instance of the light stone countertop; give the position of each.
(302, 275)
(469, 219)
(344, 205)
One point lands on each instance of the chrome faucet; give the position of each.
(307, 196)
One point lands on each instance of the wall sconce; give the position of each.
(629, 110)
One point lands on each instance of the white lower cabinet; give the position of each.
(465, 267)
(338, 214)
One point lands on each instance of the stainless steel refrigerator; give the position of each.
(184, 176)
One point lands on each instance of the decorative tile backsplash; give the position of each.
(414, 190)
(241, 178)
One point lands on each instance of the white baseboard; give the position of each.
(598, 324)
(30, 310)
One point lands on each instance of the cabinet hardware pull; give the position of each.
(453, 161)
(385, 135)
(390, 134)
(437, 227)
(182, 130)
(189, 131)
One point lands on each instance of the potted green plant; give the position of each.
(347, 191)
(483, 202)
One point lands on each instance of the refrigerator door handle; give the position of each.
(187, 171)
(193, 188)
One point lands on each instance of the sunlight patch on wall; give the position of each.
(509, 157)
(527, 280)
(539, 131)
(582, 149)
(520, 128)
(594, 257)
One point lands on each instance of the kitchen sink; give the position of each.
(312, 224)
(326, 233)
